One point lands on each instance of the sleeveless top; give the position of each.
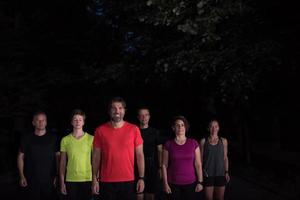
(213, 159)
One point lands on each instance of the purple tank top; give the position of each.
(181, 167)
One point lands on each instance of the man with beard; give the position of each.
(116, 143)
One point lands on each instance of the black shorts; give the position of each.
(117, 190)
(217, 181)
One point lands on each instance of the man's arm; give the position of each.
(165, 162)
(20, 163)
(57, 159)
(159, 156)
(140, 160)
(95, 169)
(62, 171)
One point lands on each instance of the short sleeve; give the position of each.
(138, 137)
(159, 139)
(91, 139)
(167, 145)
(96, 140)
(56, 143)
(195, 144)
(22, 143)
(63, 144)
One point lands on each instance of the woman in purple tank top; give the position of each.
(182, 169)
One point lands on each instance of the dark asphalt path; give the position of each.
(238, 189)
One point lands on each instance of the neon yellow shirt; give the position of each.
(79, 151)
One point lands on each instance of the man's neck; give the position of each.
(40, 132)
(144, 126)
(77, 132)
(117, 124)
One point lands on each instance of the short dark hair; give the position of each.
(39, 112)
(143, 108)
(116, 99)
(182, 118)
(78, 112)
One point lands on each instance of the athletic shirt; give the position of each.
(151, 141)
(181, 167)
(79, 153)
(117, 146)
(213, 159)
(39, 156)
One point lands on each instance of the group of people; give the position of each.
(122, 160)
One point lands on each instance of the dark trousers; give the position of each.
(39, 190)
(117, 191)
(182, 192)
(79, 190)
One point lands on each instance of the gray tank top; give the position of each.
(213, 159)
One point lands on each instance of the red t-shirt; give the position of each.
(117, 147)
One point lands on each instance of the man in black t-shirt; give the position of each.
(152, 152)
(37, 160)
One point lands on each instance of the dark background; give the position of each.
(235, 60)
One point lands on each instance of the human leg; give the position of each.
(108, 191)
(47, 190)
(33, 191)
(149, 196)
(175, 192)
(151, 179)
(188, 191)
(126, 190)
(72, 190)
(85, 190)
(209, 188)
(219, 193)
(140, 196)
(209, 192)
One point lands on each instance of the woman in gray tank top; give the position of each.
(215, 163)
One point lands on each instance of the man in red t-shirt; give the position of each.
(115, 145)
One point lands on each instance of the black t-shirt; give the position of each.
(151, 140)
(39, 156)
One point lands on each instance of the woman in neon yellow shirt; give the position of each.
(75, 161)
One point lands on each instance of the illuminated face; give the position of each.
(40, 122)
(77, 121)
(214, 127)
(144, 116)
(179, 127)
(117, 112)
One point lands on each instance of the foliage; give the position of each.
(218, 48)
(221, 45)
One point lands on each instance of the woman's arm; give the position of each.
(202, 148)
(198, 168)
(226, 162)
